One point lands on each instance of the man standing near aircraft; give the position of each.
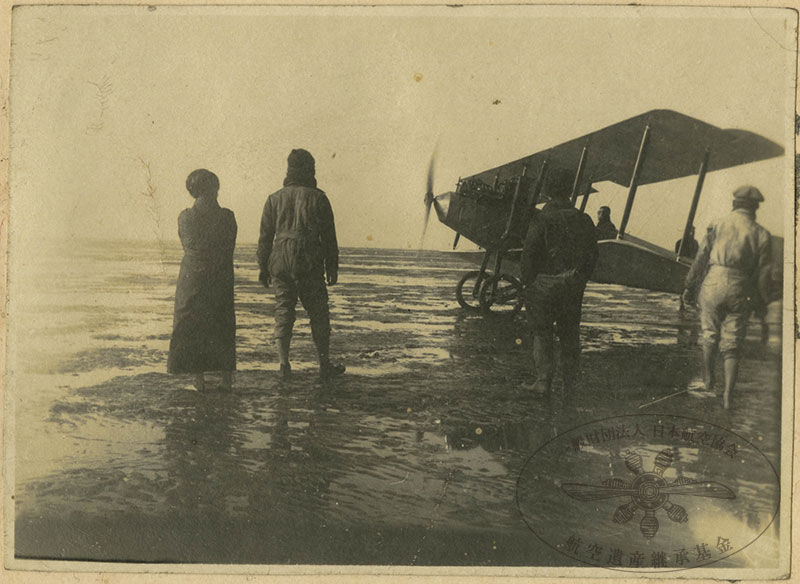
(558, 256)
(298, 253)
(732, 273)
(605, 228)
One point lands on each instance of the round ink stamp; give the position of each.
(650, 493)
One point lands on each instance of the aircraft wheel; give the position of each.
(465, 289)
(501, 295)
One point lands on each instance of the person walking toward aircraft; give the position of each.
(204, 324)
(558, 256)
(605, 228)
(728, 280)
(298, 254)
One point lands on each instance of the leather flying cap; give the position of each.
(301, 159)
(748, 193)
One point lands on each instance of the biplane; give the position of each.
(493, 208)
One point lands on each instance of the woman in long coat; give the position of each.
(204, 326)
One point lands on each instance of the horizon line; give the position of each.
(177, 243)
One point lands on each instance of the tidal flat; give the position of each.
(410, 459)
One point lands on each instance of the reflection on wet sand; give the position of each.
(412, 458)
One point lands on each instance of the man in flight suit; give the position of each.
(298, 253)
(732, 273)
(558, 256)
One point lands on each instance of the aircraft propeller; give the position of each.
(428, 197)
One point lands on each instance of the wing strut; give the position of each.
(701, 176)
(512, 214)
(579, 175)
(585, 199)
(637, 169)
(537, 190)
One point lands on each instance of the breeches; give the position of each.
(724, 310)
(313, 293)
(556, 312)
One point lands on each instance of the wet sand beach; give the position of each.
(410, 459)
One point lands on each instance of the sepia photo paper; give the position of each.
(416, 293)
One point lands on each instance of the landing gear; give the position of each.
(490, 292)
(466, 293)
(501, 295)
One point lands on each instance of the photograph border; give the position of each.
(19, 571)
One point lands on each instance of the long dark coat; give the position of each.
(204, 325)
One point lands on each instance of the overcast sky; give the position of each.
(112, 107)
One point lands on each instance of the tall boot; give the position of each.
(570, 355)
(731, 373)
(569, 364)
(322, 341)
(709, 364)
(283, 356)
(543, 360)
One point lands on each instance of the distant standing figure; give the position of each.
(605, 228)
(690, 245)
(732, 273)
(298, 253)
(204, 326)
(558, 256)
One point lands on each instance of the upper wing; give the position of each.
(675, 149)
